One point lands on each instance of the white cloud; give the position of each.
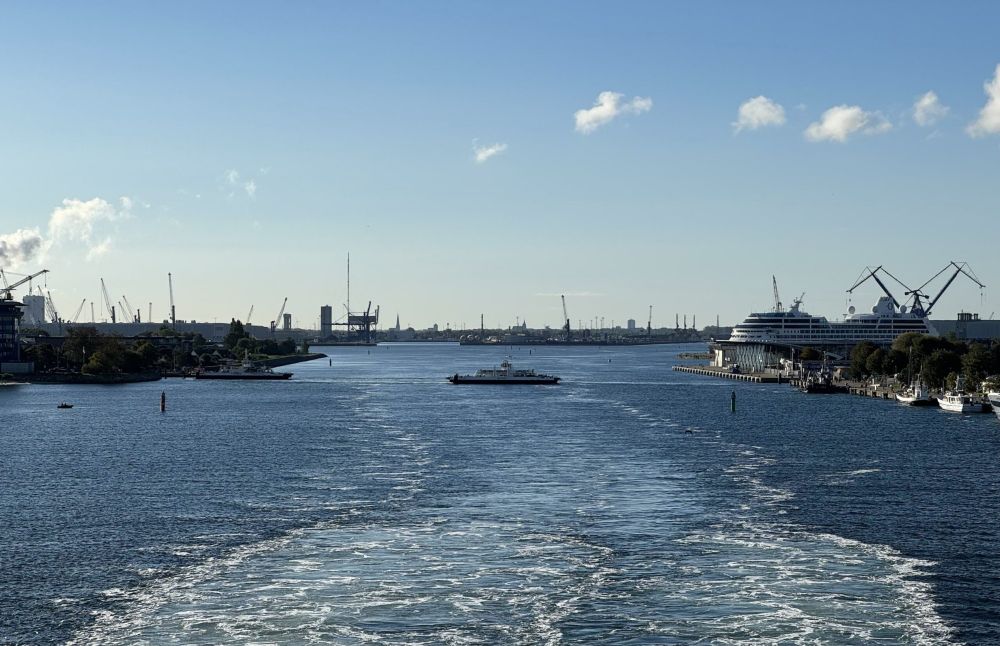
(928, 109)
(758, 112)
(76, 220)
(608, 106)
(840, 122)
(99, 249)
(485, 152)
(251, 189)
(988, 122)
(20, 247)
(232, 176)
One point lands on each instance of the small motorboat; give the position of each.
(916, 395)
(64, 405)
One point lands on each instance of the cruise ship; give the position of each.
(795, 327)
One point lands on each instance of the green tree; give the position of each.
(936, 368)
(875, 362)
(236, 332)
(976, 365)
(859, 359)
(810, 354)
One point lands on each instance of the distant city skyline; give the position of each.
(485, 159)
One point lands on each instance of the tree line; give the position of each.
(937, 361)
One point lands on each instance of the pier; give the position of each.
(708, 371)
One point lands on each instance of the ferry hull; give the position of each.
(274, 376)
(513, 381)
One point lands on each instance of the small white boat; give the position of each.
(959, 401)
(916, 394)
(994, 397)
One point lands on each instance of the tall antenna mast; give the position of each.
(348, 284)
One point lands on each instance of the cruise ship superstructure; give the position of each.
(765, 338)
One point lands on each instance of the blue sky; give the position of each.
(256, 144)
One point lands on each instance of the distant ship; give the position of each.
(505, 374)
(246, 370)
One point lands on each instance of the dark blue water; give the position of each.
(372, 502)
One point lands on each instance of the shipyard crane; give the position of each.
(274, 323)
(173, 311)
(132, 312)
(78, 310)
(3, 279)
(778, 307)
(566, 330)
(873, 274)
(50, 306)
(962, 268)
(107, 301)
(249, 314)
(7, 290)
(649, 323)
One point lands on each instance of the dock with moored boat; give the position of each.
(711, 371)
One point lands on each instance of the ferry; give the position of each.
(246, 371)
(505, 374)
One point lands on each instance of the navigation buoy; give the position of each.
(732, 403)
(163, 402)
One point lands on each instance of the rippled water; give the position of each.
(372, 502)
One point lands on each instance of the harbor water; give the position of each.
(370, 501)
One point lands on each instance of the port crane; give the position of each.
(274, 323)
(567, 332)
(78, 310)
(778, 307)
(918, 294)
(107, 301)
(134, 313)
(649, 323)
(7, 289)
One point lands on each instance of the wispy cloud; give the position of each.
(20, 247)
(988, 122)
(234, 181)
(928, 110)
(840, 122)
(608, 106)
(482, 153)
(759, 112)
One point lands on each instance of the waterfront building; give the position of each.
(631, 325)
(34, 310)
(325, 321)
(10, 340)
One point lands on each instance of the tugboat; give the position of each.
(246, 370)
(916, 394)
(505, 374)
